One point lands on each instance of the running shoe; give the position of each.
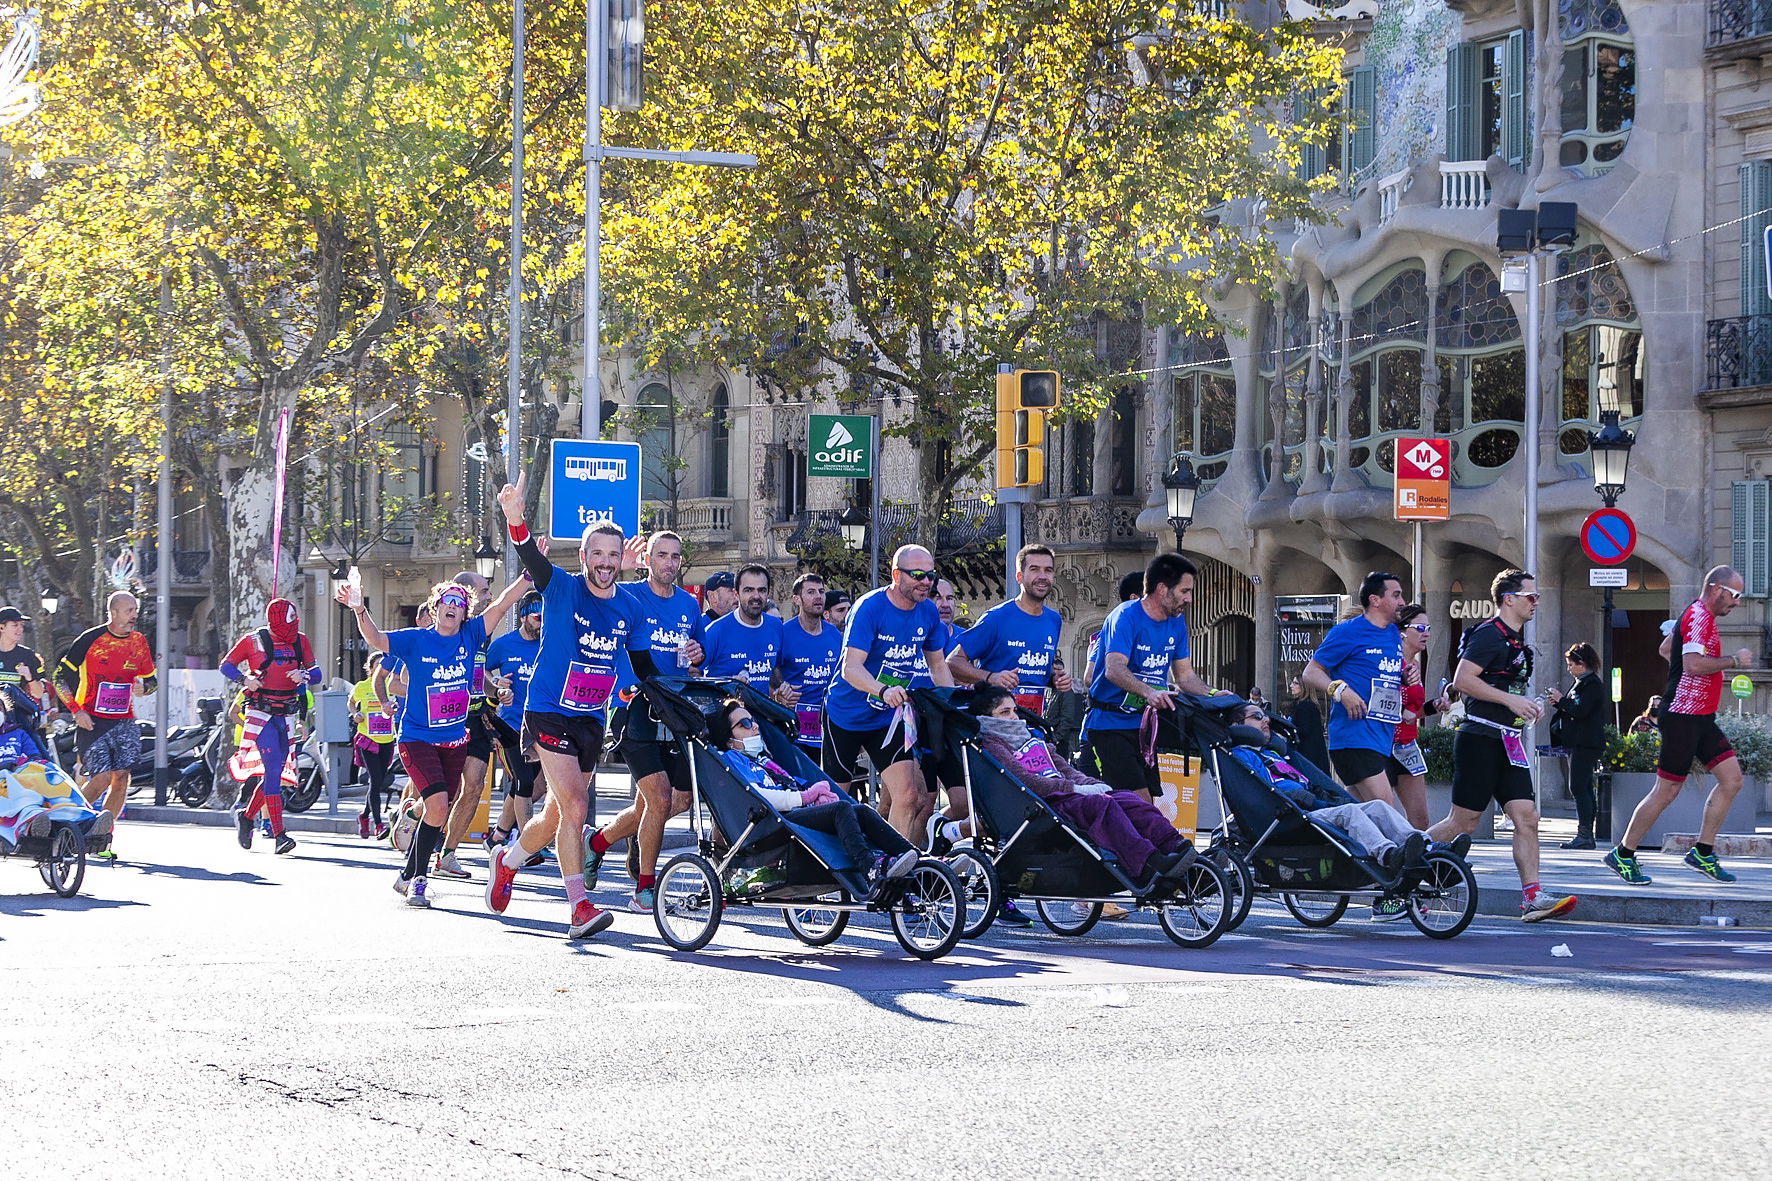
(416, 897)
(1389, 909)
(104, 855)
(101, 825)
(1112, 912)
(932, 838)
(593, 859)
(1708, 865)
(499, 881)
(1008, 916)
(537, 859)
(401, 884)
(363, 825)
(1546, 906)
(285, 843)
(587, 920)
(243, 829)
(1579, 842)
(381, 830)
(405, 828)
(641, 901)
(1625, 866)
(1458, 846)
(449, 867)
(633, 859)
(902, 864)
(492, 840)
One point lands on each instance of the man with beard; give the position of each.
(811, 649)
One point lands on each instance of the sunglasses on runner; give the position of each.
(918, 575)
(1421, 628)
(1734, 595)
(1529, 596)
(452, 599)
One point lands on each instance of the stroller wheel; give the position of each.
(687, 902)
(1445, 901)
(1241, 879)
(928, 917)
(1069, 918)
(1201, 909)
(983, 892)
(64, 867)
(815, 927)
(1316, 910)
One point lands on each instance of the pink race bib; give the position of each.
(811, 724)
(112, 698)
(585, 690)
(478, 684)
(1035, 758)
(378, 725)
(445, 705)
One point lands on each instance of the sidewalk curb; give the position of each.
(345, 825)
(1641, 910)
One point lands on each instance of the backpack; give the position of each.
(279, 702)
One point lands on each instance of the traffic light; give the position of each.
(1024, 398)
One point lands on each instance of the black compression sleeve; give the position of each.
(540, 569)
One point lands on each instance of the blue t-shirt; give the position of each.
(732, 648)
(809, 664)
(1368, 658)
(1149, 645)
(1006, 637)
(582, 637)
(893, 642)
(439, 671)
(510, 655)
(666, 624)
(943, 642)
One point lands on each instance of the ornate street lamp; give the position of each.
(486, 558)
(1181, 484)
(854, 525)
(52, 599)
(1609, 449)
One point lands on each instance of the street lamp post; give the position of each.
(853, 523)
(486, 558)
(1181, 486)
(1609, 448)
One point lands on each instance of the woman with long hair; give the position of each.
(1407, 765)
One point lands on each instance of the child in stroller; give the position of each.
(866, 837)
(42, 815)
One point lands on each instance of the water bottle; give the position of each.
(354, 591)
(683, 656)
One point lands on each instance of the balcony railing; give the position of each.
(188, 565)
(1739, 20)
(1464, 184)
(970, 526)
(1390, 193)
(1738, 352)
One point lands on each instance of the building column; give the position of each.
(1313, 478)
(1275, 488)
(1345, 480)
(1267, 652)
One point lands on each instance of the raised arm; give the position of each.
(372, 635)
(510, 501)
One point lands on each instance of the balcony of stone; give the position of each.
(1390, 193)
(1464, 184)
(700, 520)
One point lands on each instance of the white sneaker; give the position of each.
(449, 867)
(417, 896)
(401, 885)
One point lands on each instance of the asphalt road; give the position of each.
(202, 1011)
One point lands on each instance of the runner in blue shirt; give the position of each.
(889, 630)
(746, 644)
(510, 662)
(1359, 663)
(585, 621)
(1143, 648)
(439, 664)
(673, 627)
(1014, 646)
(811, 651)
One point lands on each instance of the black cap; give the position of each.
(722, 579)
(836, 599)
(11, 615)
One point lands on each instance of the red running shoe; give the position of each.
(499, 880)
(363, 825)
(587, 920)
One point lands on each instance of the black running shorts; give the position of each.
(841, 756)
(577, 735)
(1687, 739)
(1481, 772)
(1119, 761)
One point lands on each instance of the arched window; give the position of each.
(1389, 333)
(1482, 372)
(654, 419)
(720, 444)
(1205, 401)
(1599, 98)
(1602, 346)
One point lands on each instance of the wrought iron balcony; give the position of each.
(1738, 352)
(188, 565)
(1733, 21)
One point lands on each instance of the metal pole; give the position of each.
(596, 65)
(163, 570)
(1011, 545)
(1417, 564)
(514, 363)
(1529, 436)
(876, 526)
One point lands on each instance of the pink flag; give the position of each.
(277, 497)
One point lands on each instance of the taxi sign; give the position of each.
(1608, 536)
(1424, 480)
(1742, 686)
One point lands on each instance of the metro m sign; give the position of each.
(1424, 479)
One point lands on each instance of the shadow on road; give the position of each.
(24, 906)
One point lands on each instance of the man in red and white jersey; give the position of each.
(1689, 730)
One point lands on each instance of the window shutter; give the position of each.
(1361, 113)
(1312, 162)
(1514, 82)
(1756, 199)
(1461, 102)
(1750, 533)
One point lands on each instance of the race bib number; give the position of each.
(887, 681)
(1386, 703)
(477, 686)
(1034, 702)
(1515, 747)
(1410, 756)
(445, 705)
(1035, 758)
(112, 698)
(811, 724)
(378, 725)
(586, 689)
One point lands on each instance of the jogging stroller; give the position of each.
(1033, 852)
(737, 828)
(1316, 869)
(42, 815)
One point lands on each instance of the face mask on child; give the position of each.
(754, 745)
